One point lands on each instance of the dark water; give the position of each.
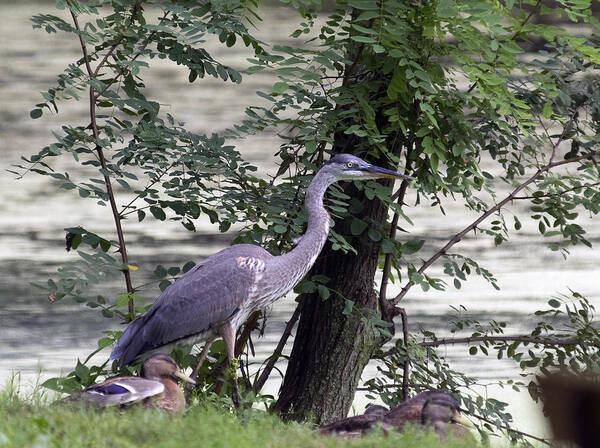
(36, 335)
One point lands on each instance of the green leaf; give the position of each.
(280, 228)
(189, 265)
(547, 110)
(35, 113)
(105, 342)
(357, 226)
(412, 246)
(348, 307)
(554, 303)
(374, 234)
(323, 291)
(158, 213)
(64, 385)
(387, 246)
(308, 287)
(311, 146)
(160, 271)
(517, 223)
(279, 87)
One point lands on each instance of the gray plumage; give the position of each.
(217, 295)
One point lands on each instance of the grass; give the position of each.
(36, 422)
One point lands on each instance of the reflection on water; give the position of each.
(36, 334)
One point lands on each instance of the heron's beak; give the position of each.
(179, 374)
(378, 172)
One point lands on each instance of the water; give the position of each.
(37, 335)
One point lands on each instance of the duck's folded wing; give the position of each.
(118, 391)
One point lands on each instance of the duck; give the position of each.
(156, 387)
(437, 410)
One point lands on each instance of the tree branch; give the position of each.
(470, 339)
(507, 428)
(512, 196)
(107, 181)
(264, 375)
(401, 194)
(560, 193)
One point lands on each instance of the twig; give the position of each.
(264, 375)
(406, 366)
(399, 197)
(508, 428)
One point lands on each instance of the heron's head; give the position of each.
(160, 365)
(349, 167)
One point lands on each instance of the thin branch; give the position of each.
(86, 57)
(107, 181)
(108, 53)
(528, 339)
(264, 375)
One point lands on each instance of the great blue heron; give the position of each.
(155, 387)
(217, 295)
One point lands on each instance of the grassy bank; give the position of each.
(35, 421)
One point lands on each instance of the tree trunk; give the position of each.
(331, 349)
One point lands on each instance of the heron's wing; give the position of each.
(204, 297)
(116, 391)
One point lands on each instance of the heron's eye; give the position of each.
(350, 165)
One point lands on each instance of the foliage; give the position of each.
(35, 423)
(441, 87)
(565, 338)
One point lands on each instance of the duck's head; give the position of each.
(160, 365)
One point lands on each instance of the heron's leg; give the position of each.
(203, 354)
(228, 334)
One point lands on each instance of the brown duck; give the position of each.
(156, 387)
(433, 409)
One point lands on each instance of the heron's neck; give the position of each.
(311, 243)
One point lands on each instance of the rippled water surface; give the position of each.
(36, 335)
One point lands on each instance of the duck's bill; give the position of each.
(377, 171)
(179, 374)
